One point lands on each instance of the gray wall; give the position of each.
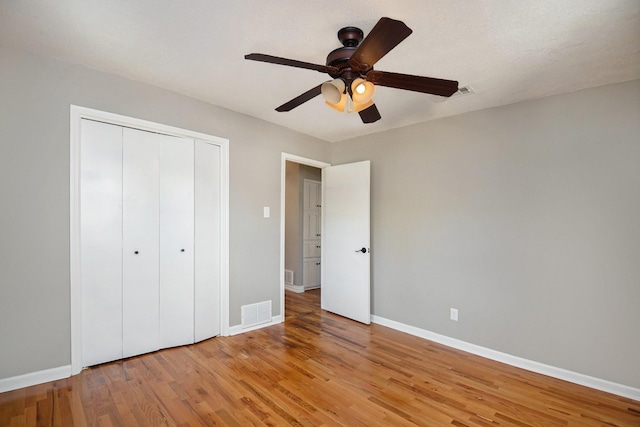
(35, 94)
(526, 218)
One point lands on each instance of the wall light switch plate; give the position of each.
(454, 314)
(267, 212)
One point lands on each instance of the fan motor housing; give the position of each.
(350, 37)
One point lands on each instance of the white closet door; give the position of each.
(311, 225)
(312, 195)
(207, 240)
(101, 241)
(140, 224)
(176, 241)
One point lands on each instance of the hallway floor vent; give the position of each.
(288, 277)
(255, 314)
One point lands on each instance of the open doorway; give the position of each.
(301, 224)
(303, 219)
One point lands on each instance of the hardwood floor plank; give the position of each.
(315, 369)
(227, 419)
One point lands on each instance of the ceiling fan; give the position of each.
(351, 67)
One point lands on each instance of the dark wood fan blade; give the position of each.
(415, 83)
(290, 62)
(370, 115)
(310, 94)
(386, 35)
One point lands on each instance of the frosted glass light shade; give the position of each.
(333, 90)
(362, 91)
(339, 106)
(359, 107)
(346, 104)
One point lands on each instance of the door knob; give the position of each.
(181, 250)
(136, 252)
(363, 250)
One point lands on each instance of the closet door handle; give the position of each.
(136, 252)
(181, 250)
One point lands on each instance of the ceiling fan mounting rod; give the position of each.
(350, 36)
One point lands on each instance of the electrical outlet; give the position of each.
(453, 314)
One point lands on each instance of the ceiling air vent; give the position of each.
(462, 91)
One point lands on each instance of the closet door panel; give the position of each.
(176, 241)
(312, 195)
(140, 225)
(311, 225)
(101, 241)
(207, 240)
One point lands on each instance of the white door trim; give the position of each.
(79, 113)
(283, 178)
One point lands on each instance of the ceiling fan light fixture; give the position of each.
(347, 105)
(359, 107)
(362, 91)
(333, 90)
(338, 106)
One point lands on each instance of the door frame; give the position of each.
(77, 114)
(283, 178)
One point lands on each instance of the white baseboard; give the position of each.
(47, 375)
(519, 362)
(294, 288)
(238, 329)
(53, 374)
(33, 378)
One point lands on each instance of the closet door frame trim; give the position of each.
(77, 115)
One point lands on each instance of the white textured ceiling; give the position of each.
(506, 50)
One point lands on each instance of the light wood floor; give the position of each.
(315, 369)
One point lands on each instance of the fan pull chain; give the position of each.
(348, 105)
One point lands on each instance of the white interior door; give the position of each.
(176, 241)
(346, 288)
(140, 246)
(101, 241)
(208, 234)
(121, 178)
